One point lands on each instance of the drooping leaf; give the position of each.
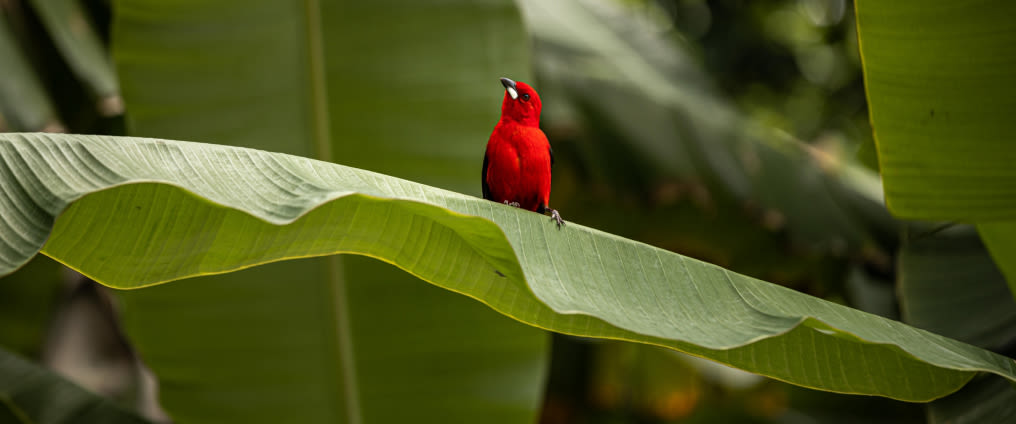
(24, 105)
(30, 394)
(948, 284)
(148, 211)
(77, 40)
(985, 400)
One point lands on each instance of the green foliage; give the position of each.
(69, 25)
(30, 394)
(27, 300)
(939, 80)
(1000, 238)
(23, 103)
(408, 88)
(648, 147)
(645, 129)
(949, 285)
(939, 84)
(58, 74)
(230, 210)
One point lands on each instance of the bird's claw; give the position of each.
(556, 216)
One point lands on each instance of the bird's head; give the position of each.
(521, 103)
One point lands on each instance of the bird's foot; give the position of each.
(556, 216)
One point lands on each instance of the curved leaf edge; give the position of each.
(516, 271)
(756, 294)
(279, 223)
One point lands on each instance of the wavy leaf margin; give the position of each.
(132, 212)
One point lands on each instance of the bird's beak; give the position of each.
(509, 85)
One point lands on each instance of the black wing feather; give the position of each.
(483, 179)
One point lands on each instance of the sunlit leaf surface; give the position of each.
(150, 211)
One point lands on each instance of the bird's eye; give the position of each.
(525, 97)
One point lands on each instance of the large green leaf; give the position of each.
(406, 87)
(939, 77)
(939, 84)
(939, 81)
(948, 284)
(979, 311)
(135, 212)
(30, 394)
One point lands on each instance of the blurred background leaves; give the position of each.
(733, 131)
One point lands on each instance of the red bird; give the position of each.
(516, 165)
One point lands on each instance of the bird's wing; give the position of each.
(483, 179)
